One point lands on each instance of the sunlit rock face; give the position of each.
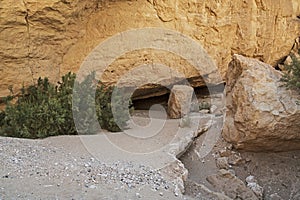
(262, 115)
(52, 37)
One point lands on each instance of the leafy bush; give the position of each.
(45, 109)
(2, 116)
(292, 74)
(112, 117)
(204, 105)
(37, 113)
(83, 98)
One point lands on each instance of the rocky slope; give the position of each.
(49, 38)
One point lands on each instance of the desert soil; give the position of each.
(64, 168)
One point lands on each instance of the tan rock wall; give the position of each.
(52, 37)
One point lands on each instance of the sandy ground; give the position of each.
(119, 167)
(61, 168)
(103, 166)
(277, 173)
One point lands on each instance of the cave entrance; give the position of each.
(202, 94)
(145, 104)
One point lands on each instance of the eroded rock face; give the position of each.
(230, 185)
(261, 113)
(35, 36)
(52, 37)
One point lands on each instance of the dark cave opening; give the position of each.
(200, 93)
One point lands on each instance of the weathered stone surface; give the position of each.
(204, 192)
(35, 36)
(52, 37)
(261, 113)
(230, 185)
(222, 163)
(180, 99)
(255, 187)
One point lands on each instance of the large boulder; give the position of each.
(261, 113)
(52, 37)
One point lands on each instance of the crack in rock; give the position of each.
(28, 35)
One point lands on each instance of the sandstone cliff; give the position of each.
(52, 37)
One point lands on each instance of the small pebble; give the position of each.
(138, 195)
(92, 186)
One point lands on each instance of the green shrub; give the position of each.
(2, 116)
(83, 98)
(86, 92)
(291, 76)
(204, 105)
(45, 109)
(41, 110)
(110, 117)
